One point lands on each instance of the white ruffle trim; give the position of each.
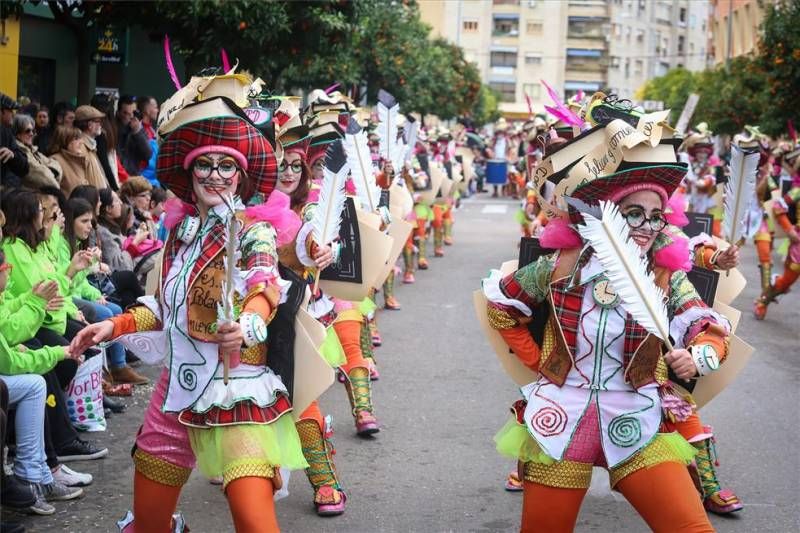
(697, 240)
(680, 324)
(491, 289)
(300, 245)
(320, 307)
(262, 389)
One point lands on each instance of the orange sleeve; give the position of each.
(123, 324)
(785, 223)
(703, 255)
(135, 318)
(260, 304)
(715, 337)
(521, 343)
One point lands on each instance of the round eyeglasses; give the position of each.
(636, 219)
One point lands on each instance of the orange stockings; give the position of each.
(251, 504)
(153, 505)
(663, 495)
(764, 249)
(349, 333)
(312, 412)
(786, 279)
(249, 499)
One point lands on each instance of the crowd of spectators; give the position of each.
(81, 228)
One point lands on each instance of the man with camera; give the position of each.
(132, 143)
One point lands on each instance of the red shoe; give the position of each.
(374, 375)
(448, 241)
(760, 309)
(366, 423)
(438, 252)
(391, 303)
(513, 483)
(723, 502)
(423, 264)
(408, 278)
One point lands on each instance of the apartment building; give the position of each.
(517, 43)
(649, 37)
(735, 27)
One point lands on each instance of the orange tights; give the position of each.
(312, 412)
(764, 249)
(663, 495)
(786, 279)
(349, 333)
(249, 499)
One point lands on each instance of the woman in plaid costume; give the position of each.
(236, 430)
(598, 398)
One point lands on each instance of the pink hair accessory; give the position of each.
(209, 148)
(675, 256)
(278, 213)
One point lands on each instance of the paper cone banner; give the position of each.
(399, 230)
(312, 374)
(400, 200)
(730, 284)
(437, 177)
(447, 188)
(709, 386)
(375, 248)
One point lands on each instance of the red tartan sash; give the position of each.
(244, 412)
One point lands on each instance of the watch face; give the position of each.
(604, 294)
(710, 356)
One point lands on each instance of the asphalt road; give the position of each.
(441, 398)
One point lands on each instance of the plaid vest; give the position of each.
(641, 350)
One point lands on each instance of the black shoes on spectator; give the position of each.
(16, 494)
(115, 406)
(80, 450)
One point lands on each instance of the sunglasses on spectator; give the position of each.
(27, 130)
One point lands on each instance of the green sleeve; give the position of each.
(14, 361)
(534, 278)
(86, 290)
(19, 323)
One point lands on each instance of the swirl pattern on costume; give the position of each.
(187, 378)
(624, 431)
(549, 421)
(148, 346)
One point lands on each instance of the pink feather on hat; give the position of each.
(278, 213)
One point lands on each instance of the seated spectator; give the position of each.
(132, 143)
(21, 369)
(90, 121)
(127, 284)
(13, 493)
(69, 150)
(13, 163)
(43, 131)
(79, 217)
(120, 250)
(91, 195)
(137, 192)
(158, 197)
(42, 170)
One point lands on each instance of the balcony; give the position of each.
(587, 28)
(505, 25)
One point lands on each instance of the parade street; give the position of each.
(443, 395)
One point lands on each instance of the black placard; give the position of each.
(348, 268)
(698, 223)
(720, 176)
(530, 250)
(385, 197)
(705, 283)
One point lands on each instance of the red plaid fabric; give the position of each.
(634, 335)
(668, 176)
(567, 305)
(233, 132)
(244, 412)
(511, 288)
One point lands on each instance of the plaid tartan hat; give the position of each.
(631, 177)
(233, 134)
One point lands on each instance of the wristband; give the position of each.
(254, 329)
(705, 358)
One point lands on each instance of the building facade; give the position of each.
(735, 27)
(650, 37)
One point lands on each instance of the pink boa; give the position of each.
(674, 256)
(676, 210)
(277, 212)
(558, 234)
(176, 210)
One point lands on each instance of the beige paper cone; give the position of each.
(709, 386)
(730, 284)
(399, 230)
(447, 187)
(375, 247)
(312, 374)
(154, 276)
(400, 200)
(437, 177)
(731, 313)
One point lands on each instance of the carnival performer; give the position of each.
(232, 420)
(344, 317)
(701, 179)
(385, 178)
(314, 429)
(785, 211)
(417, 179)
(597, 399)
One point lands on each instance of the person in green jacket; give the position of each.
(21, 369)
